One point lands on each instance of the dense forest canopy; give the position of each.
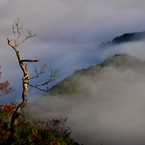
(126, 37)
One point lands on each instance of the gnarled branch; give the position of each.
(17, 34)
(53, 75)
(28, 60)
(16, 114)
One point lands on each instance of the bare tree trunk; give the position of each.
(16, 114)
(26, 80)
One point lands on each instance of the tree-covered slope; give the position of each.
(75, 93)
(127, 37)
(71, 84)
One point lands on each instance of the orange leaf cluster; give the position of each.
(54, 125)
(53, 143)
(58, 125)
(5, 110)
(5, 87)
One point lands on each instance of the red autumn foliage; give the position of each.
(58, 125)
(5, 87)
(55, 125)
(5, 110)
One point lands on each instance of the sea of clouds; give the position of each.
(68, 35)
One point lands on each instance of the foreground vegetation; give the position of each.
(34, 132)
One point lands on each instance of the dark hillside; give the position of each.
(70, 84)
(127, 37)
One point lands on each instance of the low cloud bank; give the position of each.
(108, 110)
(68, 58)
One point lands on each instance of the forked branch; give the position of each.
(17, 34)
(53, 75)
(17, 112)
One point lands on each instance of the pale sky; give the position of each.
(68, 32)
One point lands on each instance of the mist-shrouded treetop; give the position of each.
(126, 37)
(70, 84)
(104, 102)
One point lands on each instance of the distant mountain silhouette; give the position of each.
(127, 37)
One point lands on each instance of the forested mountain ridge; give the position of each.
(70, 84)
(127, 37)
(74, 92)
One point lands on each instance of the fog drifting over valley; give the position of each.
(108, 110)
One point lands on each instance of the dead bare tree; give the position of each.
(26, 80)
